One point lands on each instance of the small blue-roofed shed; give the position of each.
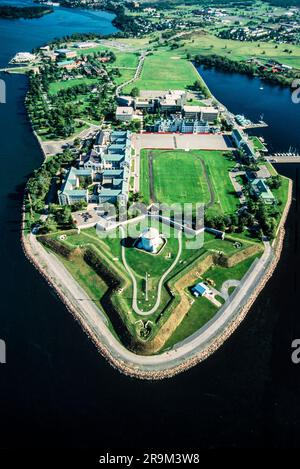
(200, 289)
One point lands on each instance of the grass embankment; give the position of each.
(257, 143)
(109, 252)
(201, 311)
(219, 274)
(178, 176)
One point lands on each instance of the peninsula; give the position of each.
(155, 216)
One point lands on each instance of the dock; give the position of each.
(284, 158)
(253, 125)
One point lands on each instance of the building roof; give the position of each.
(200, 288)
(124, 111)
(190, 108)
(262, 189)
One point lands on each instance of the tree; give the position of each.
(135, 92)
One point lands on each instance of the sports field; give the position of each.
(188, 177)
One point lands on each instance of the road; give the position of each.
(95, 322)
(136, 75)
(52, 147)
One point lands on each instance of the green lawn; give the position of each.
(123, 59)
(178, 177)
(257, 143)
(56, 86)
(164, 70)
(220, 274)
(202, 310)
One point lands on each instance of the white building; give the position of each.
(150, 240)
(124, 114)
(23, 57)
(207, 114)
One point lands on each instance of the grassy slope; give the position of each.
(200, 313)
(221, 274)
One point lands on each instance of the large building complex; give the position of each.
(243, 143)
(103, 174)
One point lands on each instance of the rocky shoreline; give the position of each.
(133, 371)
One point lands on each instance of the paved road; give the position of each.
(160, 284)
(96, 321)
(52, 147)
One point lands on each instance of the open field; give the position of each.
(163, 70)
(201, 311)
(207, 44)
(56, 86)
(123, 58)
(188, 177)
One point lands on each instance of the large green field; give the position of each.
(189, 177)
(207, 44)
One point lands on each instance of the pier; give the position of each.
(253, 125)
(284, 158)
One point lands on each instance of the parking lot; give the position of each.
(86, 218)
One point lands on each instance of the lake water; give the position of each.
(57, 391)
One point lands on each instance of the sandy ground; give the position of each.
(182, 141)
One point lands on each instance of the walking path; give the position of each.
(161, 281)
(136, 75)
(95, 322)
(228, 284)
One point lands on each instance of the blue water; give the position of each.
(24, 35)
(57, 391)
(242, 95)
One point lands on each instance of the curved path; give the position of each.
(93, 321)
(162, 279)
(136, 75)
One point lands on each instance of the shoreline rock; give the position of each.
(214, 345)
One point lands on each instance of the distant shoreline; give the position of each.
(8, 12)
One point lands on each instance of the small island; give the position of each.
(14, 12)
